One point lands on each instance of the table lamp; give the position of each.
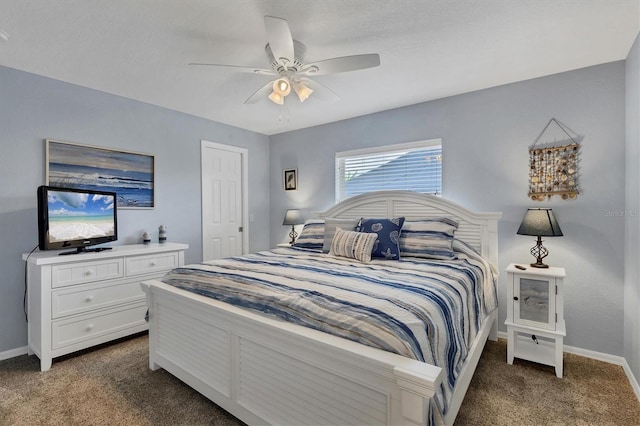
(292, 217)
(539, 223)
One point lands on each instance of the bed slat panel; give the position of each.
(344, 402)
(201, 349)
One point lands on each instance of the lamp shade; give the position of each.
(540, 223)
(282, 86)
(276, 98)
(302, 90)
(292, 217)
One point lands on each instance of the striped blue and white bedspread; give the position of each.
(424, 309)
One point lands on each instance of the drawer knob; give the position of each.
(87, 273)
(152, 263)
(515, 298)
(89, 298)
(90, 327)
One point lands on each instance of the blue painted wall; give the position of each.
(33, 108)
(485, 139)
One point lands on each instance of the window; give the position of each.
(415, 166)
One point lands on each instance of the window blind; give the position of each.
(415, 166)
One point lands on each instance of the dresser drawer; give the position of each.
(86, 272)
(75, 330)
(138, 265)
(79, 299)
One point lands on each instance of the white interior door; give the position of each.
(224, 201)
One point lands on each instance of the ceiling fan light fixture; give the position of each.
(276, 98)
(282, 86)
(302, 90)
(289, 68)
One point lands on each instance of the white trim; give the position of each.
(392, 147)
(632, 379)
(599, 356)
(12, 353)
(244, 153)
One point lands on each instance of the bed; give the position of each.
(265, 370)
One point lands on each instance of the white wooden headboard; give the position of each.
(480, 230)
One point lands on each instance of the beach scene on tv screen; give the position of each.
(75, 216)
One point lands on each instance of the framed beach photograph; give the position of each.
(129, 174)
(290, 179)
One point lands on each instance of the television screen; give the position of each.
(74, 218)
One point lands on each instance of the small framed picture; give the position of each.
(290, 179)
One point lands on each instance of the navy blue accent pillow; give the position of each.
(388, 231)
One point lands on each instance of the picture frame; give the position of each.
(131, 175)
(290, 179)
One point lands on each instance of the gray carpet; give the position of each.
(112, 385)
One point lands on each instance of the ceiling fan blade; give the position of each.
(341, 64)
(320, 91)
(237, 68)
(280, 39)
(260, 94)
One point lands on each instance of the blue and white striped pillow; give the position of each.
(428, 238)
(311, 237)
(353, 245)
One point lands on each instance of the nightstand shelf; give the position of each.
(535, 315)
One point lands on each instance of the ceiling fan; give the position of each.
(286, 57)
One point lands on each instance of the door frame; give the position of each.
(244, 155)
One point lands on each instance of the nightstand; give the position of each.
(535, 315)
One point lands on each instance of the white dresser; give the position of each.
(82, 300)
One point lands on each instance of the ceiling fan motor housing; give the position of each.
(286, 66)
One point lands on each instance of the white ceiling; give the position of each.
(428, 49)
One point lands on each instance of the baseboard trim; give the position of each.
(12, 353)
(632, 379)
(611, 359)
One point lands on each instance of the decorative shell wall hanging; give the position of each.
(553, 170)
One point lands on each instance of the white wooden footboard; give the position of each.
(268, 371)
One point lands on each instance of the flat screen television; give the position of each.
(76, 218)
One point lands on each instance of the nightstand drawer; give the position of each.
(75, 300)
(138, 265)
(76, 330)
(86, 272)
(534, 347)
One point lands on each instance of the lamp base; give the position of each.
(539, 265)
(539, 252)
(293, 235)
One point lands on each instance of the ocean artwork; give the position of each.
(74, 216)
(130, 175)
(534, 300)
